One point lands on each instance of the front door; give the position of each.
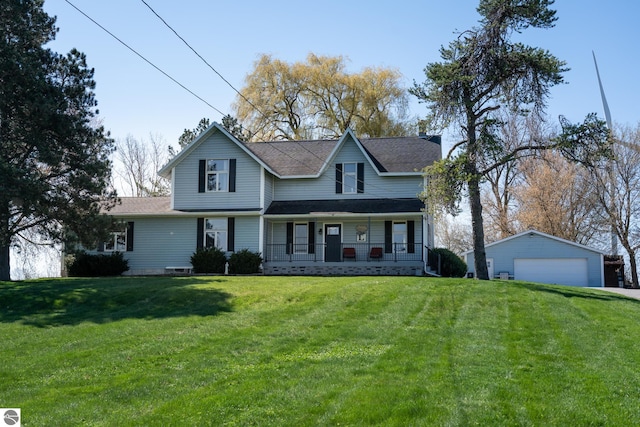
(333, 240)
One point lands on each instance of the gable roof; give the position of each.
(539, 233)
(390, 155)
(165, 171)
(310, 158)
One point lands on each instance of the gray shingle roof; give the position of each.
(391, 155)
(160, 206)
(142, 205)
(405, 154)
(293, 158)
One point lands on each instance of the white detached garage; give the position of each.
(538, 257)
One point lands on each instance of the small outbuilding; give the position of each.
(534, 256)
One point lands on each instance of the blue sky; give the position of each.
(136, 99)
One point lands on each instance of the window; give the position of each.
(215, 233)
(301, 238)
(400, 236)
(117, 242)
(349, 178)
(217, 175)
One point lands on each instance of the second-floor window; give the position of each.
(349, 178)
(217, 175)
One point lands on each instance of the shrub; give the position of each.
(83, 264)
(245, 262)
(451, 265)
(208, 260)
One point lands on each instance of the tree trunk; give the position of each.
(5, 271)
(5, 243)
(479, 254)
(634, 268)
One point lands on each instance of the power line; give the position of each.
(143, 58)
(203, 60)
(197, 96)
(166, 74)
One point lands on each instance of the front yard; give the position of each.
(317, 351)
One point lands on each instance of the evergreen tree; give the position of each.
(54, 161)
(481, 72)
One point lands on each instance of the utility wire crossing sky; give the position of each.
(162, 65)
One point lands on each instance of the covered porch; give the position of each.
(315, 238)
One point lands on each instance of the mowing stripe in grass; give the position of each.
(317, 351)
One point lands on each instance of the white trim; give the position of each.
(295, 238)
(539, 233)
(164, 171)
(322, 215)
(338, 147)
(173, 186)
(324, 235)
(262, 237)
(218, 174)
(262, 188)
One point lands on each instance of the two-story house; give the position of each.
(346, 206)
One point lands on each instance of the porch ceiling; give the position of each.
(363, 206)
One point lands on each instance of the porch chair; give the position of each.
(349, 253)
(375, 253)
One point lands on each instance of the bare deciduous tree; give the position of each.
(514, 130)
(137, 163)
(558, 197)
(453, 234)
(619, 193)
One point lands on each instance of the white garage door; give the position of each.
(561, 271)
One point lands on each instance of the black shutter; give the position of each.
(289, 238)
(312, 237)
(411, 238)
(338, 178)
(231, 234)
(100, 246)
(202, 176)
(360, 178)
(232, 175)
(200, 234)
(388, 245)
(129, 236)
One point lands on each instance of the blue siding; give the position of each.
(539, 246)
(170, 241)
(161, 242)
(268, 189)
(217, 146)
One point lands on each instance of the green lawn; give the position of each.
(296, 351)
